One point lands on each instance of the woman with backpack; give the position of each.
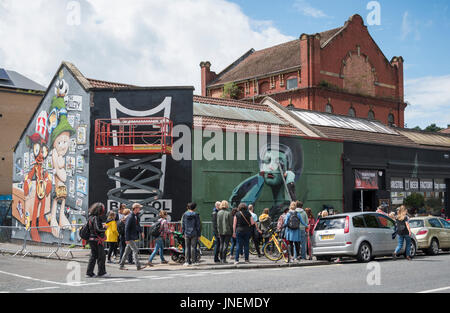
(160, 233)
(242, 228)
(96, 241)
(292, 229)
(112, 235)
(403, 233)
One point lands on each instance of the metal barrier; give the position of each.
(18, 241)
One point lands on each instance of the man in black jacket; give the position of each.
(132, 233)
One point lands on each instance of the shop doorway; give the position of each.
(369, 200)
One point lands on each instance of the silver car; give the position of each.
(363, 235)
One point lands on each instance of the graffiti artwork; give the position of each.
(274, 161)
(44, 189)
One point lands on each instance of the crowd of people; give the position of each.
(120, 232)
(241, 224)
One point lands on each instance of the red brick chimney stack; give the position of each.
(207, 76)
(397, 62)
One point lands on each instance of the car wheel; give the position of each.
(413, 250)
(434, 247)
(364, 253)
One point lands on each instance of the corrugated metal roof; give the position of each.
(235, 113)
(338, 121)
(427, 139)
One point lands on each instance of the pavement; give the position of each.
(81, 255)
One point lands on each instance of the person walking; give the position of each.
(303, 229)
(112, 235)
(242, 227)
(403, 233)
(121, 231)
(191, 229)
(309, 234)
(133, 231)
(159, 241)
(215, 232)
(292, 234)
(225, 229)
(96, 241)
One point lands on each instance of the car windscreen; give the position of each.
(415, 223)
(331, 223)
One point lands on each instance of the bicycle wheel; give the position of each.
(271, 251)
(285, 251)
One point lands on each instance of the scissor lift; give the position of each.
(125, 139)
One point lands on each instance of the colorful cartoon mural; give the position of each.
(50, 178)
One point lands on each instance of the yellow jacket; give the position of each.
(112, 235)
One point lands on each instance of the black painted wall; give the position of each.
(178, 174)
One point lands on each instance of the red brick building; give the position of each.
(341, 71)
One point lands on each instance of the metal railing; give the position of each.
(17, 240)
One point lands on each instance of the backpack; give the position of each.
(294, 221)
(85, 232)
(401, 227)
(156, 229)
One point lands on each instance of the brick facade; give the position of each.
(343, 69)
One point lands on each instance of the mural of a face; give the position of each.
(269, 167)
(62, 143)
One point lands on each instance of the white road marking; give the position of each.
(34, 279)
(159, 278)
(434, 290)
(43, 288)
(126, 281)
(221, 273)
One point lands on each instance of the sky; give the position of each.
(161, 43)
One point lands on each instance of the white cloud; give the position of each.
(430, 101)
(148, 43)
(306, 9)
(412, 26)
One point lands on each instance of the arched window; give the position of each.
(391, 119)
(352, 112)
(371, 115)
(329, 108)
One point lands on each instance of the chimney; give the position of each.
(207, 76)
(397, 63)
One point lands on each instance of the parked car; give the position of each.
(432, 233)
(363, 235)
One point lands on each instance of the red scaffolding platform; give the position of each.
(147, 135)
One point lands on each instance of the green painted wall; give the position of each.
(320, 182)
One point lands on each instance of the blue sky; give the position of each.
(161, 43)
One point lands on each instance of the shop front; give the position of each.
(381, 175)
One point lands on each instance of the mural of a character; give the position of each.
(272, 157)
(60, 133)
(43, 184)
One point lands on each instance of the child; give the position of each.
(112, 235)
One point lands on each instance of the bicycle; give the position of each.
(276, 248)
